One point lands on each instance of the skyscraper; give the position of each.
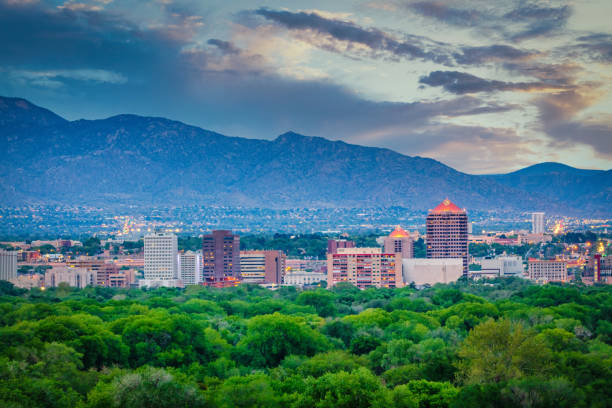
(190, 267)
(447, 233)
(537, 223)
(221, 255)
(160, 257)
(399, 242)
(8, 265)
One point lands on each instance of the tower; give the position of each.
(447, 233)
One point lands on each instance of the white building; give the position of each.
(507, 265)
(303, 278)
(8, 265)
(537, 223)
(160, 258)
(544, 270)
(190, 267)
(429, 271)
(75, 277)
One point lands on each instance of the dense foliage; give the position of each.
(501, 343)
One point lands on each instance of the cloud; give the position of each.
(224, 46)
(55, 77)
(515, 23)
(492, 53)
(347, 35)
(464, 83)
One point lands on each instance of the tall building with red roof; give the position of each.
(399, 242)
(447, 233)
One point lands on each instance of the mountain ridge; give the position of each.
(101, 162)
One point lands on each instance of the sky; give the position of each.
(483, 86)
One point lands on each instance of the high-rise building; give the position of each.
(447, 233)
(365, 268)
(399, 242)
(221, 255)
(537, 223)
(334, 244)
(262, 266)
(160, 257)
(8, 265)
(547, 270)
(190, 267)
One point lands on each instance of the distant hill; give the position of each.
(130, 159)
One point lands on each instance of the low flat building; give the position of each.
(29, 281)
(304, 278)
(499, 266)
(160, 283)
(547, 270)
(429, 271)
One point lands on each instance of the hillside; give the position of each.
(129, 159)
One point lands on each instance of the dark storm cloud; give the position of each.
(224, 46)
(596, 47)
(528, 20)
(413, 48)
(463, 83)
(489, 53)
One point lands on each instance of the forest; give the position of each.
(494, 343)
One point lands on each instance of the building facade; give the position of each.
(537, 223)
(421, 271)
(8, 265)
(262, 266)
(304, 278)
(365, 268)
(399, 242)
(505, 265)
(221, 255)
(545, 270)
(190, 267)
(160, 257)
(74, 277)
(447, 233)
(334, 244)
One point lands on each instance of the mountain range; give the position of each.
(129, 159)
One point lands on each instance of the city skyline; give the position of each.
(483, 87)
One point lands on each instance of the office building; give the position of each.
(447, 233)
(421, 271)
(399, 242)
(545, 270)
(160, 258)
(221, 255)
(334, 244)
(537, 223)
(8, 265)
(304, 278)
(73, 276)
(190, 267)
(364, 268)
(306, 266)
(262, 266)
(97, 266)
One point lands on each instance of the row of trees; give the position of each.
(499, 343)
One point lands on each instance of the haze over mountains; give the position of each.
(144, 161)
